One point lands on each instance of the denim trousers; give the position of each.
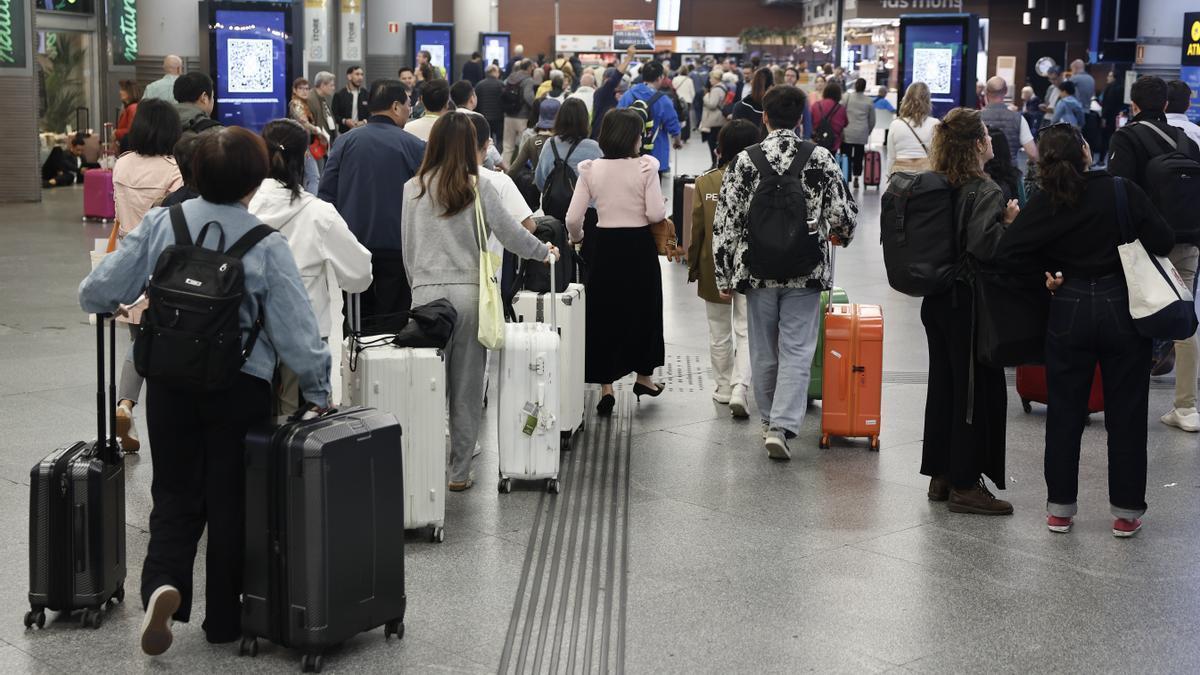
(1089, 324)
(783, 326)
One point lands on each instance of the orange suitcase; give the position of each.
(853, 384)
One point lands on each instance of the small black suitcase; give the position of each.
(77, 515)
(324, 532)
(677, 203)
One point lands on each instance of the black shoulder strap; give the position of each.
(756, 154)
(572, 149)
(248, 240)
(554, 149)
(179, 224)
(803, 152)
(654, 99)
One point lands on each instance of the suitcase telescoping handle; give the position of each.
(553, 295)
(832, 264)
(106, 414)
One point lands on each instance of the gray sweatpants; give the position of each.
(466, 367)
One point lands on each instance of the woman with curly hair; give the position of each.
(966, 400)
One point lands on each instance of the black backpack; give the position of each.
(534, 275)
(1172, 180)
(560, 184)
(781, 247)
(191, 337)
(919, 233)
(512, 99)
(645, 109)
(823, 135)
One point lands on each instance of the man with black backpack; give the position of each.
(781, 203)
(516, 99)
(1166, 163)
(658, 114)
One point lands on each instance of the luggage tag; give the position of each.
(532, 412)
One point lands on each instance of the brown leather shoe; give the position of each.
(939, 489)
(977, 499)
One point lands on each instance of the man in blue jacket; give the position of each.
(364, 178)
(663, 111)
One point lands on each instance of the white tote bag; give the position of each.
(1161, 305)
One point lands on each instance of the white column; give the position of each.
(1160, 34)
(471, 17)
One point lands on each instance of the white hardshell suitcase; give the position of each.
(529, 410)
(409, 383)
(531, 307)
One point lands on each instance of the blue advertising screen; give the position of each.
(436, 41)
(251, 74)
(495, 48)
(934, 55)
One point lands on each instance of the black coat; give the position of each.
(340, 107)
(473, 72)
(487, 95)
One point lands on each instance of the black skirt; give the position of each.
(624, 305)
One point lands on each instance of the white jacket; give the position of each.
(320, 241)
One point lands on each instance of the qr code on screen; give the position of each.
(933, 67)
(249, 66)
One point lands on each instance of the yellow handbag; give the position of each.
(491, 311)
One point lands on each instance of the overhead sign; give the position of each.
(122, 27)
(1189, 62)
(316, 31)
(583, 43)
(13, 45)
(636, 33)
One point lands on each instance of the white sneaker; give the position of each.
(476, 451)
(156, 625)
(126, 429)
(776, 445)
(737, 402)
(766, 426)
(1182, 418)
(722, 394)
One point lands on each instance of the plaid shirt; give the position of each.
(831, 211)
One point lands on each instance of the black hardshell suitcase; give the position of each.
(324, 532)
(77, 516)
(677, 214)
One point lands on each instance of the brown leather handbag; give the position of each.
(664, 236)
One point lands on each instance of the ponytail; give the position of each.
(287, 143)
(1060, 164)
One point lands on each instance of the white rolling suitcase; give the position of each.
(409, 383)
(531, 307)
(529, 410)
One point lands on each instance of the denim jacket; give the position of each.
(272, 283)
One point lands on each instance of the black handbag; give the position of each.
(1011, 311)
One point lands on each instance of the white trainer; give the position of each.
(722, 395)
(737, 402)
(127, 430)
(1182, 418)
(156, 626)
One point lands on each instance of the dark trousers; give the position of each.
(856, 152)
(1089, 323)
(388, 295)
(197, 443)
(713, 134)
(953, 448)
(496, 128)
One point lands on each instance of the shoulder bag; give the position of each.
(491, 309)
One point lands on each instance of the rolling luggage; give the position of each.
(409, 383)
(872, 168)
(844, 164)
(77, 515)
(529, 413)
(818, 364)
(678, 207)
(530, 307)
(689, 202)
(98, 203)
(324, 557)
(1031, 387)
(853, 383)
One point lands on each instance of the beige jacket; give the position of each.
(714, 100)
(140, 183)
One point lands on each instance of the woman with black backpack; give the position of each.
(569, 143)
(966, 400)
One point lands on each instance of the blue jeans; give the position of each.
(783, 326)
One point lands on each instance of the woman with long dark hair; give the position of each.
(441, 255)
(966, 400)
(320, 240)
(625, 306)
(1002, 171)
(1072, 227)
(750, 107)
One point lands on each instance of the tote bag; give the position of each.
(1161, 305)
(491, 310)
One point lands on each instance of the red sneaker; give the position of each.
(1058, 524)
(1126, 528)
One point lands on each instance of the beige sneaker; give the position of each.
(156, 625)
(1182, 418)
(127, 430)
(737, 402)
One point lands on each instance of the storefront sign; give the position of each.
(122, 27)
(636, 33)
(13, 46)
(722, 45)
(583, 43)
(1189, 62)
(352, 30)
(891, 9)
(316, 30)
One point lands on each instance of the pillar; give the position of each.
(1160, 35)
(471, 17)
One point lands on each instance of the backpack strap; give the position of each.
(1172, 145)
(179, 225)
(756, 154)
(248, 240)
(803, 153)
(572, 149)
(554, 149)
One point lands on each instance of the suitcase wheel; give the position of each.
(504, 486)
(824, 443)
(248, 647)
(35, 616)
(311, 663)
(874, 444)
(1025, 405)
(92, 618)
(552, 485)
(394, 627)
(438, 535)
(564, 444)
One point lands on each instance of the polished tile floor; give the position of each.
(833, 562)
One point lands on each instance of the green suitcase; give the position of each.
(818, 364)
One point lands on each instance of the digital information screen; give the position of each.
(933, 55)
(251, 69)
(436, 41)
(494, 48)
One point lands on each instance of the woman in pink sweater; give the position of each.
(625, 305)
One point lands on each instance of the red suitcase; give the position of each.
(872, 168)
(1031, 387)
(852, 386)
(98, 201)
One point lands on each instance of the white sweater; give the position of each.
(320, 241)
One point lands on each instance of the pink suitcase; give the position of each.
(98, 201)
